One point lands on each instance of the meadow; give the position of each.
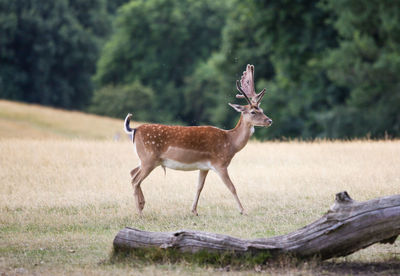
(65, 193)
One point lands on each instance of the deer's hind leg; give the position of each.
(138, 175)
(134, 171)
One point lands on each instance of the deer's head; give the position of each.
(252, 113)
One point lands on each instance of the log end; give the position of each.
(341, 199)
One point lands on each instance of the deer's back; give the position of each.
(182, 142)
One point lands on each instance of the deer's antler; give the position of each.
(246, 87)
(242, 93)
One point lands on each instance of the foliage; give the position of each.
(218, 75)
(205, 93)
(48, 50)
(367, 64)
(159, 43)
(116, 101)
(113, 5)
(286, 40)
(328, 73)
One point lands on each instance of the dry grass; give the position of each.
(63, 201)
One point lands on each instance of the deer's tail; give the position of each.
(130, 131)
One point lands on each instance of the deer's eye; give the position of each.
(253, 112)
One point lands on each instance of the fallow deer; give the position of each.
(200, 148)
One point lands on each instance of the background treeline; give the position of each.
(331, 67)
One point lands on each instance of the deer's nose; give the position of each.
(269, 121)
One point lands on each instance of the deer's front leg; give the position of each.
(223, 173)
(200, 185)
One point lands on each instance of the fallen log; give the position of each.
(348, 226)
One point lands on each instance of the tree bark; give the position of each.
(348, 226)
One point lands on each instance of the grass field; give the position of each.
(63, 200)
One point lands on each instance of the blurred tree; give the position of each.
(367, 65)
(117, 101)
(297, 36)
(159, 43)
(285, 40)
(113, 5)
(202, 93)
(48, 50)
(212, 85)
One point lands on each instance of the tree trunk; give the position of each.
(347, 227)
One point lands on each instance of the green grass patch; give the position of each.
(202, 258)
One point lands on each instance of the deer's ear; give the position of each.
(238, 108)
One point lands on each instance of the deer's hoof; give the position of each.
(195, 213)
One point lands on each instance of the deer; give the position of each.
(202, 148)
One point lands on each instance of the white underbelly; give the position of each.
(175, 165)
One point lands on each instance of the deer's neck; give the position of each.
(241, 134)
